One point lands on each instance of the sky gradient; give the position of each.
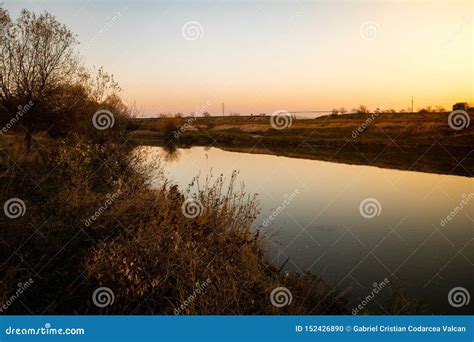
(272, 55)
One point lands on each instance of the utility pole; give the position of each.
(223, 109)
(412, 104)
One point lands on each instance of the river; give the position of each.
(354, 225)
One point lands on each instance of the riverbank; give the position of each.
(408, 141)
(103, 242)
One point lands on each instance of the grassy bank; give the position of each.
(409, 141)
(82, 232)
(91, 221)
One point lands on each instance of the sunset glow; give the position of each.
(265, 56)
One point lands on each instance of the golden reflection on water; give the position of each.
(321, 229)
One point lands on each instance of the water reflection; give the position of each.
(171, 152)
(316, 224)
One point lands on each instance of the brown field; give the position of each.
(409, 141)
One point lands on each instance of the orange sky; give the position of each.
(265, 56)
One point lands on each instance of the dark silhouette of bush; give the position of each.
(461, 106)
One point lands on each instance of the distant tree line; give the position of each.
(362, 109)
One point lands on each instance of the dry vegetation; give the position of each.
(413, 141)
(141, 246)
(409, 129)
(90, 217)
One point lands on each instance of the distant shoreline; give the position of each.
(406, 141)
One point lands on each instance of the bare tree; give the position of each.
(37, 62)
(362, 109)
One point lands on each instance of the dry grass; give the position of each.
(157, 268)
(408, 141)
(409, 129)
(141, 246)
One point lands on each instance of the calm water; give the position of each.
(317, 222)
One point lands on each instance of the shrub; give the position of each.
(141, 245)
